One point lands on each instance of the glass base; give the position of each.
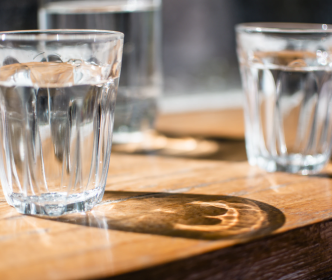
(293, 163)
(56, 203)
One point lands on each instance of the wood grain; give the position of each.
(172, 218)
(227, 123)
(186, 147)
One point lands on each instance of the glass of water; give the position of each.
(141, 79)
(57, 100)
(286, 72)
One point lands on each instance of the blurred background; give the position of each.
(202, 88)
(198, 36)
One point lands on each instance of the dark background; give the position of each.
(198, 35)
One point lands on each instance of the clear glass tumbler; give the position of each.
(57, 100)
(286, 71)
(141, 77)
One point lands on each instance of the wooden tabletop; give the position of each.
(226, 123)
(165, 217)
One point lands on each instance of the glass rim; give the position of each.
(283, 27)
(57, 7)
(94, 35)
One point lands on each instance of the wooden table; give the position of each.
(227, 123)
(170, 217)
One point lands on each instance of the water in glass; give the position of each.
(56, 122)
(140, 83)
(287, 111)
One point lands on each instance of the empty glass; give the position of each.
(57, 99)
(286, 74)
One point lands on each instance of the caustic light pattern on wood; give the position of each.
(158, 214)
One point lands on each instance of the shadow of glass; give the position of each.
(185, 147)
(209, 217)
(323, 174)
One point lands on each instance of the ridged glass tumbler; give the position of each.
(286, 72)
(57, 99)
(141, 75)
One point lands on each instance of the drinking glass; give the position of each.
(57, 99)
(141, 79)
(286, 71)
